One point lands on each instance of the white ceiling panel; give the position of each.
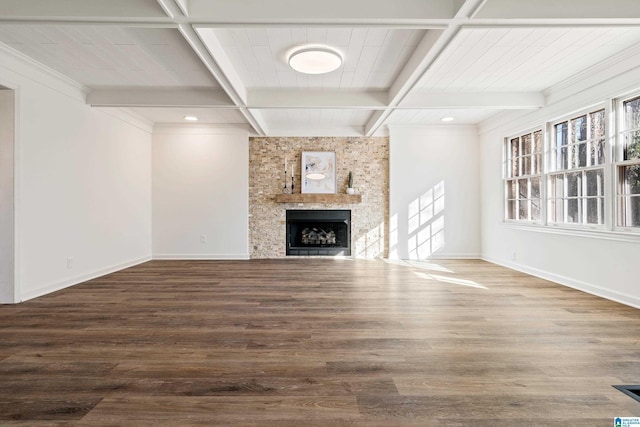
(372, 56)
(524, 59)
(112, 56)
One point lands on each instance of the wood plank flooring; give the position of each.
(317, 342)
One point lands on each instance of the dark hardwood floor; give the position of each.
(317, 342)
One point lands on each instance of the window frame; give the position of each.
(619, 163)
(552, 170)
(507, 176)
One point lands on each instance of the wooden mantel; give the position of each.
(319, 198)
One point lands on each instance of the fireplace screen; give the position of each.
(318, 232)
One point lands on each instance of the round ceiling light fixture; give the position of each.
(191, 118)
(447, 119)
(315, 60)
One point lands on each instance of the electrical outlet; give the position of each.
(203, 238)
(69, 263)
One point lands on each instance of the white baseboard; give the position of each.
(201, 256)
(589, 288)
(78, 279)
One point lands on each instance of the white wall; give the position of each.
(200, 192)
(607, 265)
(83, 182)
(7, 225)
(434, 199)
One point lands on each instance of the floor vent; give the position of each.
(632, 391)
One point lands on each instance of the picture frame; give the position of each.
(318, 172)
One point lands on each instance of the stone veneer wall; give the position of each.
(367, 158)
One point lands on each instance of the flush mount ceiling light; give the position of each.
(315, 60)
(191, 118)
(447, 119)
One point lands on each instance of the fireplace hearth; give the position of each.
(318, 232)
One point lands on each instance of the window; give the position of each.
(628, 165)
(577, 173)
(524, 174)
(576, 181)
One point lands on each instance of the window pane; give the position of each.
(514, 153)
(632, 114)
(594, 211)
(523, 190)
(526, 144)
(632, 145)
(595, 183)
(631, 179)
(579, 128)
(563, 159)
(526, 165)
(557, 186)
(573, 210)
(597, 152)
(561, 134)
(630, 211)
(535, 210)
(561, 146)
(537, 141)
(556, 210)
(582, 155)
(523, 210)
(537, 170)
(597, 124)
(634, 205)
(515, 147)
(575, 157)
(535, 188)
(511, 209)
(511, 189)
(573, 184)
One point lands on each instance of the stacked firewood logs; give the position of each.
(318, 236)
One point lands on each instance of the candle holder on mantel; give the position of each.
(285, 189)
(292, 184)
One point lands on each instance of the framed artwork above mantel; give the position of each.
(318, 172)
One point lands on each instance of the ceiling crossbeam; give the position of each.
(484, 100)
(192, 97)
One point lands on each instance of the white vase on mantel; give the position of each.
(351, 191)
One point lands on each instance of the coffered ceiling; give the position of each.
(404, 61)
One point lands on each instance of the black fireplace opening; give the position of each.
(318, 232)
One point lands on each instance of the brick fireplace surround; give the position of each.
(367, 158)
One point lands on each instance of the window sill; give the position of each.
(631, 236)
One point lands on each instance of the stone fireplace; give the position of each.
(318, 232)
(366, 157)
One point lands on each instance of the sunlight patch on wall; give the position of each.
(426, 223)
(371, 244)
(393, 237)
